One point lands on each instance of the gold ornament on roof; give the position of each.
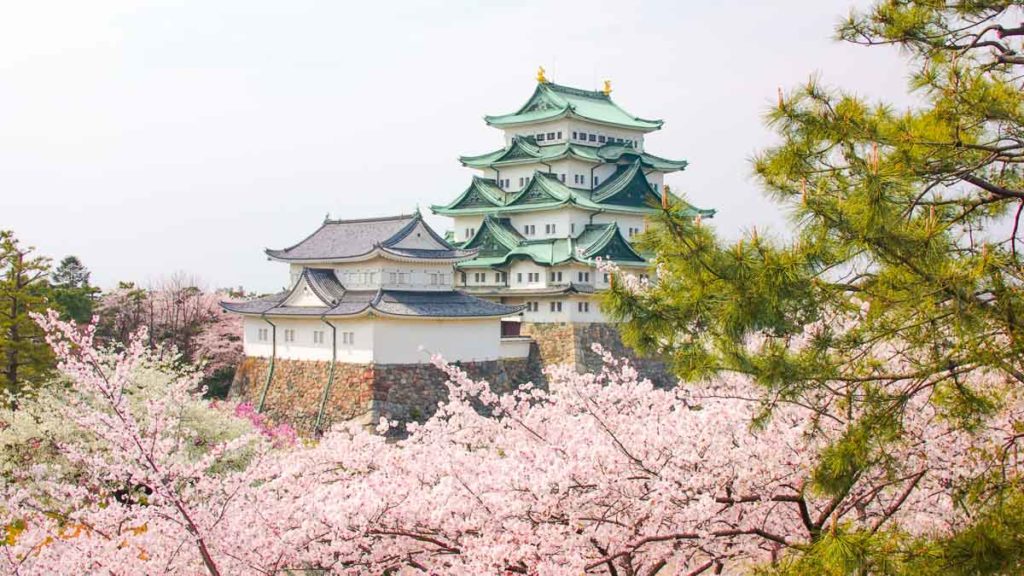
(541, 78)
(607, 87)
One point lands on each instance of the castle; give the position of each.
(510, 288)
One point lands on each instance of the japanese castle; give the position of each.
(572, 184)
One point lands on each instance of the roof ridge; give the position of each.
(577, 91)
(372, 219)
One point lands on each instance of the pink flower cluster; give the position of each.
(598, 473)
(280, 434)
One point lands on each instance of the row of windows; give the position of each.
(556, 306)
(481, 277)
(589, 137)
(548, 136)
(263, 335)
(601, 138)
(578, 179)
(555, 277)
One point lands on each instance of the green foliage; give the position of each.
(901, 280)
(71, 292)
(25, 358)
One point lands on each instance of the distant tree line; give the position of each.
(176, 312)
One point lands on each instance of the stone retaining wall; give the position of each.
(411, 392)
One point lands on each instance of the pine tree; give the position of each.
(26, 358)
(72, 293)
(902, 279)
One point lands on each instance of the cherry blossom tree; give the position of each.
(599, 473)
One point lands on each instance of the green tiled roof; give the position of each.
(551, 101)
(497, 243)
(525, 150)
(627, 191)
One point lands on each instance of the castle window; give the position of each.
(556, 306)
(540, 137)
(348, 338)
(392, 277)
(572, 228)
(618, 140)
(597, 180)
(318, 336)
(519, 277)
(573, 135)
(521, 181)
(549, 228)
(583, 306)
(606, 278)
(529, 229)
(403, 277)
(499, 277)
(592, 137)
(261, 334)
(561, 177)
(559, 136)
(600, 139)
(533, 276)
(583, 136)
(462, 278)
(551, 135)
(289, 335)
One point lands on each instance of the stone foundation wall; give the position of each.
(363, 392)
(411, 392)
(566, 343)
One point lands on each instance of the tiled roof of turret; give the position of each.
(498, 243)
(404, 303)
(524, 149)
(626, 190)
(550, 101)
(338, 240)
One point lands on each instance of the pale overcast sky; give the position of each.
(154, 137)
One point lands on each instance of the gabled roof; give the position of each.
(551, 101)
(525, 150)
(627, 186)
(495, 237)
(625, 191)
(336, 301)
(499, 244)
(401, 237)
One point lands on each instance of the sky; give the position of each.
(150, 138)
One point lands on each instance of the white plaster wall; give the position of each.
(569, 222)
(515, 347)
(571, 167)
(657, 179)
(462, 223)
(578, 125)
(625, 221)
(490, 278)
(525, 267)
(560, 125)
(303, 348)
(399, 341)
(569, 313)
(378, 275)
(303, 296)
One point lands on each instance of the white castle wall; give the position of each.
(379, 340)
